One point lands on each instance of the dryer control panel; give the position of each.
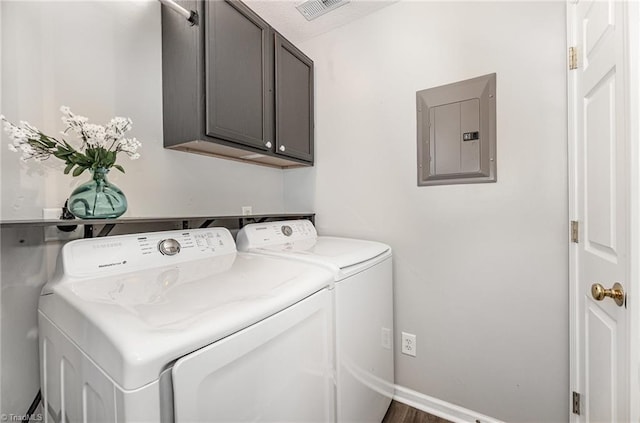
(124, 253)
(257, 235)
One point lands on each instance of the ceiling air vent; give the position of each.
(313, 8)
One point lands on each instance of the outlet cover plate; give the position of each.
(408, 344)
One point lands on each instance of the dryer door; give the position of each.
(279, 369)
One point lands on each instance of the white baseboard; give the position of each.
(439, 408)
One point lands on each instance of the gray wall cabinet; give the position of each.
(234, 87)
(294, 101)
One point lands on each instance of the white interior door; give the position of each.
(599, 143)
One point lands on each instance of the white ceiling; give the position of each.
(284, 17)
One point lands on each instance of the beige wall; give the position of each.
(480, 270)
(103, 59)
(472, 262)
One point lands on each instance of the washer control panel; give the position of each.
(137, 251)
(286, 230)
(169, 247)
(257, 235)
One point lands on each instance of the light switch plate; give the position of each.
(385, 338)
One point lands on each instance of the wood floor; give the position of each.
(402, 413)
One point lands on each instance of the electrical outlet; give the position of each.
(409, 344)
(52, 233)
(247, 210)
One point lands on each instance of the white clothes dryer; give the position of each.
(178, 327)
(363, 308)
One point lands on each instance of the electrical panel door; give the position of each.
(456, 132)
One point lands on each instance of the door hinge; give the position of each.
(573, 58)
(575, 227)
(575, 407)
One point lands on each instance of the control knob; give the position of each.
(286, 230)
(169, 247)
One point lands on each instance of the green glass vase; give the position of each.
(98, 198)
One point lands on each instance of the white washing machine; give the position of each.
(179, 327)
(363, 307)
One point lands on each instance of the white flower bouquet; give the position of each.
(99, 149)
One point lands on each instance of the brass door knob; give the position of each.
(599, 292)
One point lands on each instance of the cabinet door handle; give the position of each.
(282, 148)
(268, 144)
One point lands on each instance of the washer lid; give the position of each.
(134, 324)
(298, 238)
(340, 253)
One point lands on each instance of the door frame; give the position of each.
(633, 301)
(632, 82)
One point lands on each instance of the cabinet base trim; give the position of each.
(216, 150)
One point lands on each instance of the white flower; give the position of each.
(22, 136)
(117, 127)
(73, 122)
(18, 134)
(94, 135)
(107, 140)
(32, 131)
(129, 146)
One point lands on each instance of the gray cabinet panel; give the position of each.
(294, 101)
(218, 79)
(237, 74)
(182, 76)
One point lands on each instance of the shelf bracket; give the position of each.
(206, 223)
(106, 230)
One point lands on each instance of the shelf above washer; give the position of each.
(187, 222)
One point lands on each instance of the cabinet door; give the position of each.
(294, 101)
(238, 61)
